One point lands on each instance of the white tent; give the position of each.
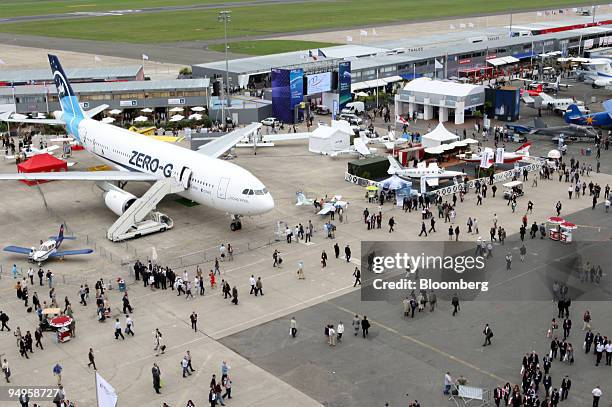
(195, 116)
(115, 111)
(198, 109)
(439, 136)
(344, 126)
(147, 110)
(141, 119)
(176, 109)
(325, 140)
(394, 182)
(108, 120)
(176, 118)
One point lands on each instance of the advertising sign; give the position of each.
(344, 83)
(128, 103)
(281, 95)
(179, 101)
(318, 83)
(296, 87)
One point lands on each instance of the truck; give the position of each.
(354, 108)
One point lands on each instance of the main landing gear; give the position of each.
(236, 224)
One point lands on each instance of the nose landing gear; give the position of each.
(236, 224)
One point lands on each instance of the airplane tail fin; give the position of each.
(524, 149)
(571, 113)
(539, 88)
(538, 123)
(394, 166)
(71, 109)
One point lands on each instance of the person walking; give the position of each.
(293, 327)
(356, 324)
(258, 287)
(129, 325)
(347, 253)
(357, 275)
(340, 331)
(57, 372)
(6, 370)
(185, 366)
(194, 320)
(508, 261)
(118, 332)
(596, 393)
(92, 360)
(488, 334)
(365, 326)
(523, 252)
(455, 304)
(566, 385)
(4, 318)
(156, 373)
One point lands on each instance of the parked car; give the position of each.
(270, 121)
(322, 109)
(351, 118)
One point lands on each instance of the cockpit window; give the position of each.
(245, 191)
(259, 192)
(265, 191)
(250, 192)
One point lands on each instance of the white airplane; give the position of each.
(48, 249)
(559, 105)
(431, 173)
(302, 200)
(199, 175)
(359, 147)
(596, 71)
(32, 151)
(332, 205)
(509, 156)
(546, 86)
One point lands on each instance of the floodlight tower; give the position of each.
(225, 17)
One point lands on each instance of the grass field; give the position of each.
(267, 47)
(14, 8)
(259, 20)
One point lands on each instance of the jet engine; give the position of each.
(118, 201)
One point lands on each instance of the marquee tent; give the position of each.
(438, 136)
(41, 163)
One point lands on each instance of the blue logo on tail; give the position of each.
(72, 112)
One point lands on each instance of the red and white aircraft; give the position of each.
(532, 92)
(509, 156)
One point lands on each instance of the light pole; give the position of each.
(225, 17)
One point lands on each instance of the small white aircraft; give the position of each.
(332, 205)
(48, 249)
(302, 200)
(32, 151)
(596, 71)
(359, 147)
(546, 86)
(431, 173)
(509, 156)
(559, 105)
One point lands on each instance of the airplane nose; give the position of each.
(268, 203)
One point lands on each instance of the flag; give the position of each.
(311, 55)
(485, 158)
(438, 65)
(97, 58)
(374, 33)
(105, 393)
(320, 53)
(499, 155)
(349, 38)
(145, 57)
(363, 33)
(400, 119)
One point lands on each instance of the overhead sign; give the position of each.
(318, 83)
(128, 103)
(179, 101)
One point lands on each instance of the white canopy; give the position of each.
(141, 119)
(195, 116)
(108, 120)
(115, 111)
(470, 141)
(198, 109)
(439, 136)
(434, 150)
(176, 109)
(503, 61)
(554, 154)
(176, 118)
(147, 110)
(444, 88)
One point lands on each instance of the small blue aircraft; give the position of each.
(48, 249)
(602, 119)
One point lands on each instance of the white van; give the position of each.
(354, 108)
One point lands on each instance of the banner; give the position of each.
(499, 155)
(485, 158)
(296, 87)
(281, 95)
(105, 393)
(318, 83)
(344, 83)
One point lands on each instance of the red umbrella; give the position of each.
(569, 225)
(556, 220)
(60, 321)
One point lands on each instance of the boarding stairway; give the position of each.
(142, 207)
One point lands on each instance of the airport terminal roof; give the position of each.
(110, 87)
(447, 88)
(40, 75)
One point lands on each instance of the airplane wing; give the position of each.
(63, 237)
(327, 208)
(80, 176)
(220, 145)
(17, 249)
(432, 182)
(7, 117)
(71, 252)
(545, 97)
(527, 99)
(361, 147)
(286, 137)
(96, 110)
